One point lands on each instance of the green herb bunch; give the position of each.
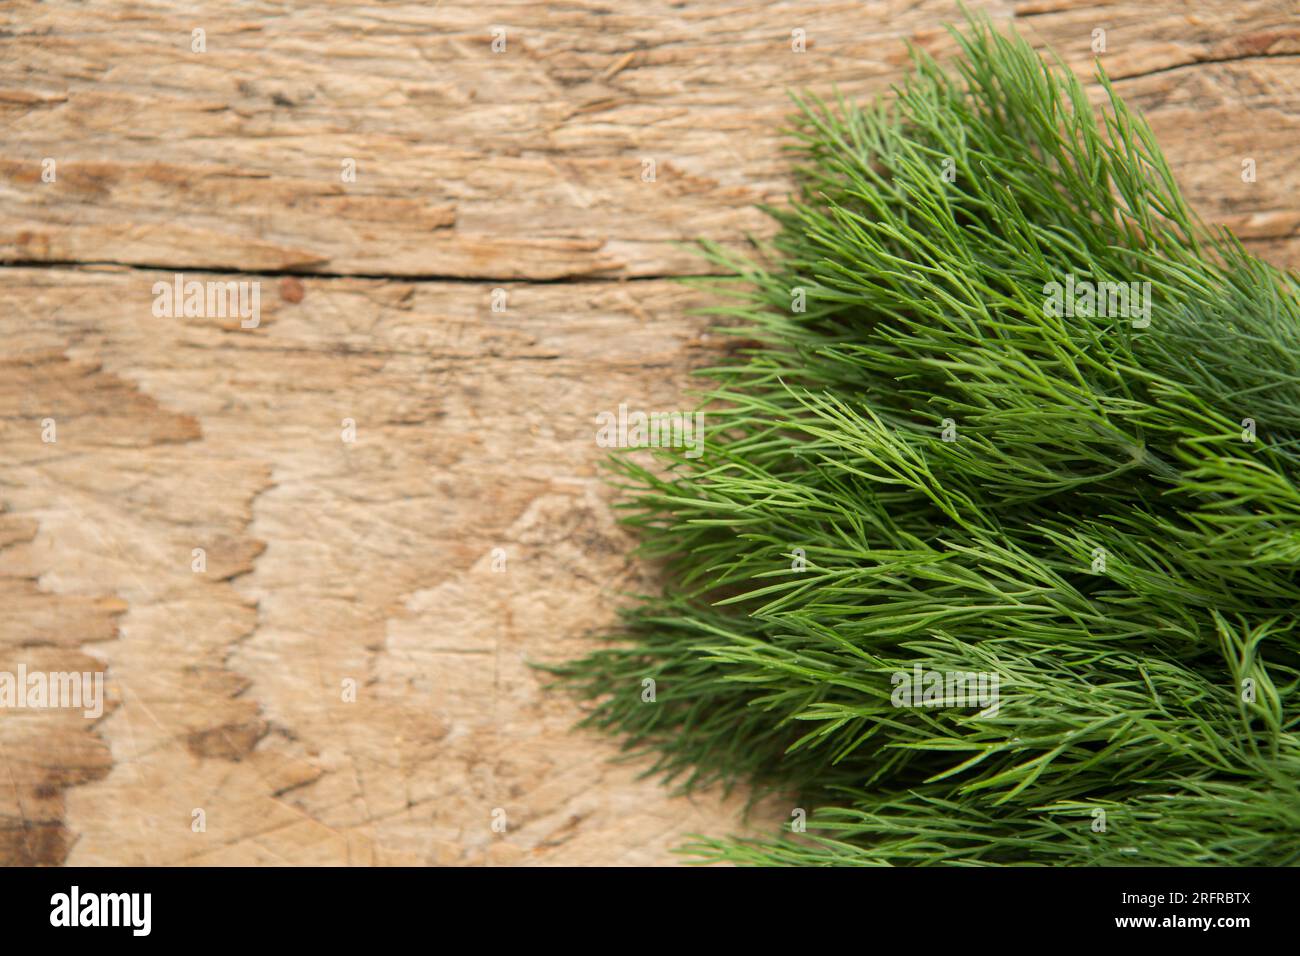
(917, 459)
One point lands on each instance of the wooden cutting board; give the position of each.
(463, 220)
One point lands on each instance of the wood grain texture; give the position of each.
(373, 560)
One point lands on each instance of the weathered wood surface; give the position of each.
(373, 560)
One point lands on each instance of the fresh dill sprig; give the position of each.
(931, 464)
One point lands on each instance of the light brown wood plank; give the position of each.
(372, 560)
